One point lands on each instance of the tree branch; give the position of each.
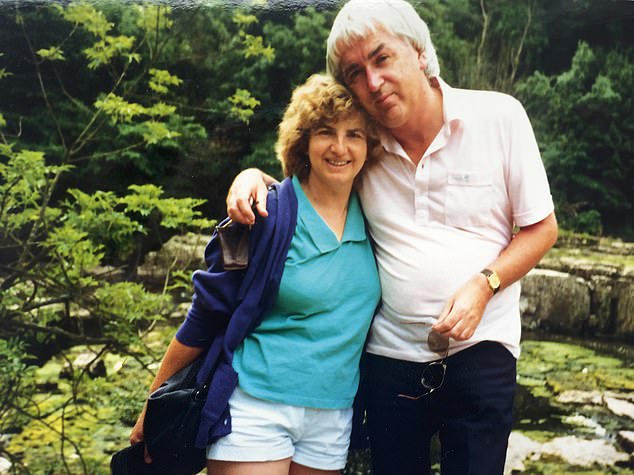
(483, 36)
(516, 58)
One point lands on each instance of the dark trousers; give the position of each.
(471, 412)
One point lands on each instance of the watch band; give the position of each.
(493, 279)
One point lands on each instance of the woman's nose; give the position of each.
(338, 145)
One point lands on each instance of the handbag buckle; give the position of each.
(200, 393)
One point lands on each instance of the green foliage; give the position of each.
(118, 109)
(54, 53)
(485, 44)
(51, 285)
(161, 79)
(25, 180)
(584, 124)
(303, 43)
(3, 74)
(69, 255)
(85, 15)
(254, 46)
(104, 50)
(16, 383)
(74, 428)
(242, 105)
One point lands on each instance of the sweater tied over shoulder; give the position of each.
(228, 304)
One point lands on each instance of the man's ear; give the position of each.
(422, 60)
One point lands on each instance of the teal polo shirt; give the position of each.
(306, 350)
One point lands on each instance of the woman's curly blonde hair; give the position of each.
(320, 100)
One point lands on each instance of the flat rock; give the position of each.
(572, 450)
(620, 407)
(5, 466)
(520, 448)
(585, 453)
(575, 396)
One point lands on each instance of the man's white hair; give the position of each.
(358, 18)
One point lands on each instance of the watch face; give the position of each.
(494, 280)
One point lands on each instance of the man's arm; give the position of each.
(248, 187)
(463, 312)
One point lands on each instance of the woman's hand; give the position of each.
(137, 436)
(177, 356)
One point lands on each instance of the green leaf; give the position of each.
(254, 46)
(73, 254)
(119, 109)
(54, 53)
(157, 132)
(104, 50)
(143, 198)
(154, 18)
(88, 17)
(133, 57)
(121, 305)
(243, 19)
(243, 104)
(160, 109)
(161, 79)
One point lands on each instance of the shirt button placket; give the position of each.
(421, 192)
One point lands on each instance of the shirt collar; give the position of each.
(318, 230)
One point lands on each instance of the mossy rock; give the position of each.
(563, 366)
(554, 466)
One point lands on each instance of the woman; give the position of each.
(287, 362)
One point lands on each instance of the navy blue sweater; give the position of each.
(227, 305)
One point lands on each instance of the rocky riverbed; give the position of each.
(574, 409)
(574, 412)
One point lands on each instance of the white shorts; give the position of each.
(265, 431)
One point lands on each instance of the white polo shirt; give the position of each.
(438, 223)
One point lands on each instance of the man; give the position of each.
(461, 171)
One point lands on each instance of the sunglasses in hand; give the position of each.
(434, 373)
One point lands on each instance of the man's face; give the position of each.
(385, 73)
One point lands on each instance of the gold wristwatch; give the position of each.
(493, 279)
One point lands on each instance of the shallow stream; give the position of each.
(574, 412)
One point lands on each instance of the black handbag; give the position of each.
(171, 422)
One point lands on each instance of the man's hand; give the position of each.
(247, 188)
(463, 312)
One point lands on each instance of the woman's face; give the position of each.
(337, 150)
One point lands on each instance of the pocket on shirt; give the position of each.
(469, 198)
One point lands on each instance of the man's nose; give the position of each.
(374, 78)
